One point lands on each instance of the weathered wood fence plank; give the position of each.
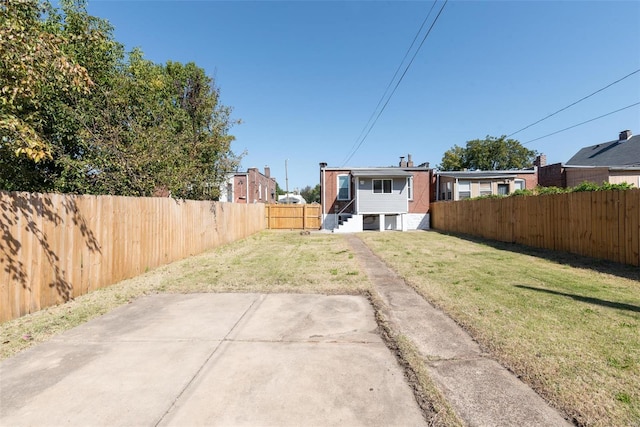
(56, 247)
(293, 217)
(599, 224)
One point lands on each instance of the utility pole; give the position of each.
(286, 177)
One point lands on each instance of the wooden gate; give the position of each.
(293, 217)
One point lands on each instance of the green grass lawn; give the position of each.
(568, 326)
(265, 262)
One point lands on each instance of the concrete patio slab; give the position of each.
(299, 317)
(213, 359)
(298, 383)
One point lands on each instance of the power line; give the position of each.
(373, 113)
(574, 103)
(580, 124)
(397, 84)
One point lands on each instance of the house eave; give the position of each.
(610, 168)
(484, 175)
(385, 173)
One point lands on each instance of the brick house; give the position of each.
(612, 162)
(251, 186)
(459, 185)
(379, 198)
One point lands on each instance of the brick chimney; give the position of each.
(540, 161)
(403, 164)
(267, 171)
(409, 161)
(624, 135)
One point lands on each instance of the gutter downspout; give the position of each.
(323, 173)
(456, 190)
(437, 186)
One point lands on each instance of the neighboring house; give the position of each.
(551, 175)
(459, 185)
(613, 162)
(249, 187)
(379, 198)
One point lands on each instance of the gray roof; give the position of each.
(612, 153)
(486, 174)
(381, 172)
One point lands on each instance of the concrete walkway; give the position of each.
(481, 391)
(213, 359)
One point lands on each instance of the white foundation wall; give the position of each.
(417, 221)
(329, 221)
(353, 225)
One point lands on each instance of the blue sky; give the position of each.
(306, 76)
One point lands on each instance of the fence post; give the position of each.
(304, 217)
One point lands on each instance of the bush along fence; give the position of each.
(56, 247)
(598, 224)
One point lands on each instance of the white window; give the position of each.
(464, 190)
(382, 186)
(229, 192)
(446, 190)
(519, 184)
(410, 188)
(344, 190)
(485, 188)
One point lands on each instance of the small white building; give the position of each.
(291, 199)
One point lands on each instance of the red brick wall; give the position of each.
(329, 190)
(419, 204)
(552, 176)
(250, 188)
(531, 180)
(421, 192)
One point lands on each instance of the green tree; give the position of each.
(202, 128)
(311, 195)
(491, 153)
(80, 116)
(34, 69)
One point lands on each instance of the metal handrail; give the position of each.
(346, 206)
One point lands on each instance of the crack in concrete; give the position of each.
(207, 359)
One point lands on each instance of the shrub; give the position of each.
(523, 192)
(550, 190)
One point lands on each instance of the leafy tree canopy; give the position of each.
(311, 195)
(34, 68)
(78, 115)
(490, 153)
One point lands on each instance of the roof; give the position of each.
(612, 153)
(291, 199)
(486, 174)
(383, 172)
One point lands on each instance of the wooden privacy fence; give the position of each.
(56, 247)
(599, 224)
(296, 217)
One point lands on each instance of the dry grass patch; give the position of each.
(264, 262)
(572, 333)
(273, 261)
